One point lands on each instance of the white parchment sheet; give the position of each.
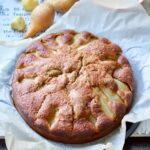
(129, 28)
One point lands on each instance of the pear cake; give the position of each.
(72, 87)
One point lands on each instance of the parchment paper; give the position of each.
(129, 28)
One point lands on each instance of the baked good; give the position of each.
(72, 87)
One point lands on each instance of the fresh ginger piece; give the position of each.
(29, 5)
(18, 24)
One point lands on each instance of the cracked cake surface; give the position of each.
(72, 87)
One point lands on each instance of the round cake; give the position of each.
(72, 87)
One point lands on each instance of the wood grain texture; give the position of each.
(143, 130)
(137, 143)
(2, 145)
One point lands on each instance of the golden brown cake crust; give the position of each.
(72, 87)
